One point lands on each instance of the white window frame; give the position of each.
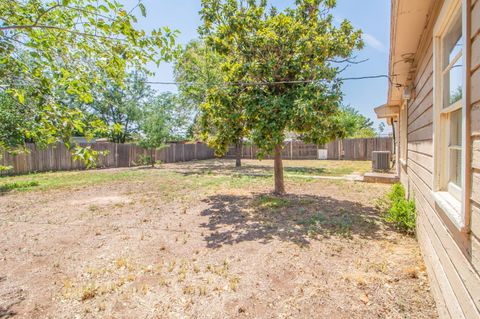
(453, 206)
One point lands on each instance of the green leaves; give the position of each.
(164, 119)
(142, 9)
(260, 44)
(53, 52)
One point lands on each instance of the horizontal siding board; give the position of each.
(475, 119)
(424, 147)
(475, 256)
(425, 66)
(475, 18)
(476, 153)
(450, 284)
(462, 277)
(421, 97)
(421, 159)
(426, 104)
(475, 86)
(422, 120)
(423, 134)
(476, 186)
(443, 293)
(425, 175)
(475, 56)
(475, 224)
(425, 74)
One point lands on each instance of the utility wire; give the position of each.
(278, 82)
(380, 76)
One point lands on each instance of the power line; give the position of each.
(380, 76)
(278, 82)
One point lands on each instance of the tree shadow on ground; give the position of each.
(7, 313)
(212, 169)
(299, 219)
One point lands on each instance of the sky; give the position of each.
(371, 16)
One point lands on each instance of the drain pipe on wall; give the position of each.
(396, 146)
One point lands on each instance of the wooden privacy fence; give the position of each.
(58, 158)
(291, 150)
(359, 149)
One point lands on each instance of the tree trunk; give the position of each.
(152, 157)
(238, 153)
(278, 171)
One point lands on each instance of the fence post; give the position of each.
(183, 152)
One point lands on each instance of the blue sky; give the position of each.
(371, 16)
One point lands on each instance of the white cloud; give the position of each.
(370, 40)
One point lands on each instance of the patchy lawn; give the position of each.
(302, 168)
(166, 243)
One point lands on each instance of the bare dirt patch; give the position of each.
(162, 244)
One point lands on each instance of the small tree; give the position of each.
(287, 62)
(352, 124)
(221, 107)
(121, 106)
(163, 119)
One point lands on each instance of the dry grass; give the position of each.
(179, 243)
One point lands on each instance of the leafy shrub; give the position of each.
(400, 211)
(17, 185)
(143, 160)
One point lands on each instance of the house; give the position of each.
(434, 105)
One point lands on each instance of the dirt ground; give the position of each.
(177, 243)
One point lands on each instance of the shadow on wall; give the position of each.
(299, 219)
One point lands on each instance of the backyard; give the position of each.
(205, 240)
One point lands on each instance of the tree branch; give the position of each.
(20, 27)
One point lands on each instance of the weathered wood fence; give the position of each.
(58, 158)
(359, 149)
(291, 150)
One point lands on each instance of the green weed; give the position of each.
(271, 202)
(399, 211)
(17, 185)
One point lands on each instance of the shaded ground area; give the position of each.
(265, 167)
(156, 243)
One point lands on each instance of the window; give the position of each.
(450, 75)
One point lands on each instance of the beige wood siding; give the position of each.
(452, 257)
(475, 130)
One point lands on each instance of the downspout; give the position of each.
(396, 147)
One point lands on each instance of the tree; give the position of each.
(220, 107)
(223, 120)
(121, 107)
(164, 119)
(381, 128)
(288, 66)
(69, 46)
(355, 125)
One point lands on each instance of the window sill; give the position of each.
(451, 207)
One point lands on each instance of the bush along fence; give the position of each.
(58, 158)
(359, 149)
